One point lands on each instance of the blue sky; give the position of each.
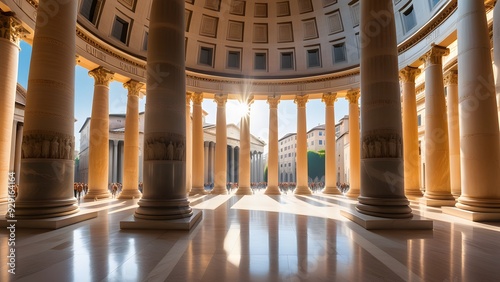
(259, 115)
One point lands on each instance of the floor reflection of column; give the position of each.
(302, 250)
(274, 245)
(245, 252)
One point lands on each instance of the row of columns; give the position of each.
(257, 167)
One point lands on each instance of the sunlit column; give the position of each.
(410, 132)
(211, 147)
(47, 178)
(272, 155)
(496, 51)
(99, 135)
(189, 144)
(479, 134)
(205, 160)
(18, 153)
(114, 170)
(330, 153)
(244, 152)
(131, 144)
(382, 188)
(10, 33)
(220, 147)
(437, 151)
(451, 83)
(354, 144)
(302, 177)
(199, 155)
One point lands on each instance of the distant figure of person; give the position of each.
(114, 189)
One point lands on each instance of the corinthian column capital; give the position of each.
(451, 77)
(102, 76)
(221, 100)
(329, 99)
(353, 96)
(408, 74)
(133, 87)
(11, 28)
(301, 101)
(273, 101)
(197, 98)
(435, 55)
(189, 97)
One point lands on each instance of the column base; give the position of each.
(302, 190)
(186, 223)
(413, 194)
(97, 195)
(50, 223)
(244, 191)
(163, 209)
(373, 223)
(437, 203)
(272, 190)
(219, 191)
(44, 209)
(352, 194)
(197, 190)
(394, 208)
(472, 215)
(130, 194)
(331, 191)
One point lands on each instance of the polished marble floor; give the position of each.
(256, 238)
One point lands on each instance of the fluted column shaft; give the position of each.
(10, 32)
(410, 133)
(437, 151)
(47, 181)
(451, 82)
(220, 172)
(330, 153)
(382, 187)
(244, 153)
(302, 176)
(131, 144)
(189, 144)
(99, 135)
(354, 145)
(164, 195)
(479, 131)
(198, 146)
(114, 169)
(273, 154)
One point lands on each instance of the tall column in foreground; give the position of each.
(496, 51)
(164, 195)
(189, 144)
(47, 166)
(354, 144)
(220, 172)
(437, 151)
(272, 156)
(479, 134)
(382, 187)
(131, 143)
(10, 33)
(99, 135)
(244, 152)
(410, 132)
(198, 155)
(451, 82)
(302, 176)
(330, 157)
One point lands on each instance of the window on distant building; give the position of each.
(419, 118)
(409, 18)
(339, 53)
(320, 142)
(287, 61)
(206, 56)
(90, 10)
(313, 59)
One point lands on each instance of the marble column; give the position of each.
(330, 153)
(437, 151)
(220, 147)
(130, 187)
(496, 52)
(10, 34)
(451, 83)
(47, 182)
(410, 133)
(354, 145)
(199, 155)
(479, 131)
(164, 195)
(18, 153)
(189, 144)
(232, 168)
(212, 163)
(382, 187)
(273, 154)
(99, 135)
(114, 169)
(302, 177)
(206, 147)
(244, 152)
